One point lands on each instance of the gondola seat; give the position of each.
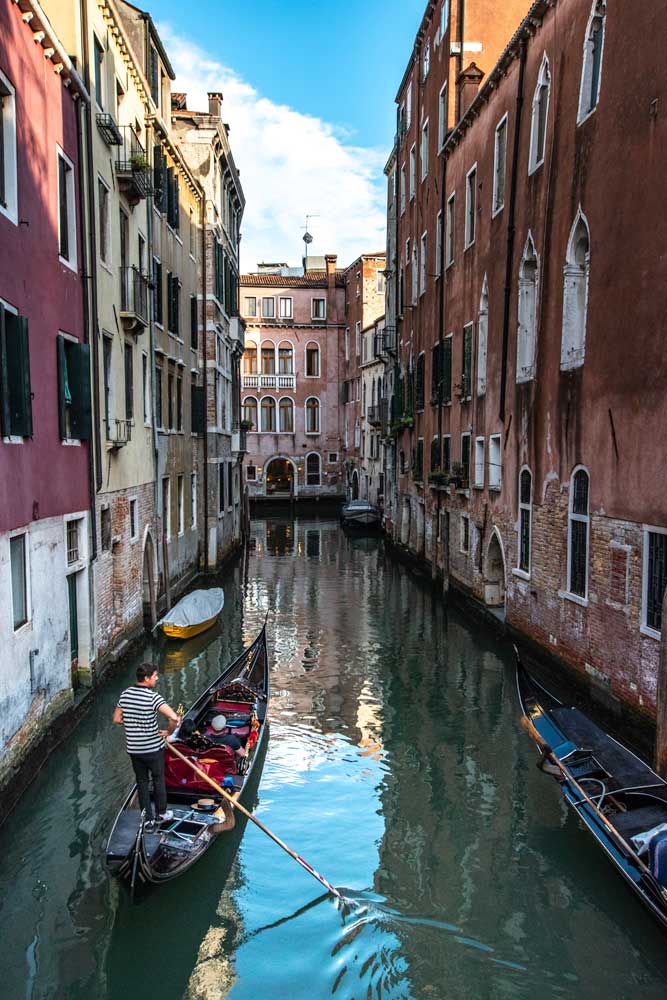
(217, 762)
(657, 852)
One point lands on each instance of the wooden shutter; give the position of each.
(197, 409)
(176, 311)
(170, 302)
(467, 360)
(15, 376)
(158, 177)
(170, 196)
(193, 321)
(78, 371)
(436, 374)
(177, 207)
(447, 370)
(62, 401)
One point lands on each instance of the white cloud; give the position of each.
(291, 164)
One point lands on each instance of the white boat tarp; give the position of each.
(195, 608)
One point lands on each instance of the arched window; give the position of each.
(312, 415)
(482, 337)
(268, 358)
(285, 359)
(591, 69)
(312, 360)
(250, 412)
(313, 469)
(268, 414)
(538, 128)
(526, 334)
(575, 294)
(577, 535)
(250, 358)
(525, 518)
(286, 415)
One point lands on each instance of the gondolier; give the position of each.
(137, 711)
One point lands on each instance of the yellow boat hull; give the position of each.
(187, 631)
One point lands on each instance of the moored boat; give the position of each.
(139, 852)
(360, 514)
(619, 798)
(193, 614)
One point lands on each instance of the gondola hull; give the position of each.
(619, 787)
(139, 854)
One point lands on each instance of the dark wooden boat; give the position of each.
(139, 853)
(605, 781)
(360, 514)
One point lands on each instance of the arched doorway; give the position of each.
(279, 476)
(494, 578)
(148, 581)
(355, 485)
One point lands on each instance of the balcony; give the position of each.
(119, 433)
(108, 129)
(132, 170)
(257, 381)
(388, 345)
(239, 441)
(374, 416)
(133, 299)
(237, 332)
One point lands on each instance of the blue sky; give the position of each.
(309, 93)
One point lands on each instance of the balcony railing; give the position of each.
(239, 441)
(132, 168)
(258, 381)
(108, 129)
(133, 298)
(374, 416)
(119, 433)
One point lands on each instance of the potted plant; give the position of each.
(457, 475)
(138, 162)
(408, 422)
(246, 425)
(439, 478)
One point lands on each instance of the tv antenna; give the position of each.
(307, 238)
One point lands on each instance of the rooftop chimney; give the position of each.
(215, 104)
(331, 259)
(468, 85)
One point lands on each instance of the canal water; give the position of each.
(395, 766)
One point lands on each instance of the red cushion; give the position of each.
(231, 706)
(216, 762)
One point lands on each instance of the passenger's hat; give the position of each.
(218, 723)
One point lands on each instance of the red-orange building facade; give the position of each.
(529, 412)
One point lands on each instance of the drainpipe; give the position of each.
(205, 357)
(460, 27)
(441, 325)
(151, 327)
(511, 232)
(94, 332)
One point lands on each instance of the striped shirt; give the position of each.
(139, 706)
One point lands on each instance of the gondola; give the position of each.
(139, 853)
(619, 798)
(360, 514)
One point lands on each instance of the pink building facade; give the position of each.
(290, 380)
(44, 384)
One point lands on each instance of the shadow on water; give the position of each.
(395, 766)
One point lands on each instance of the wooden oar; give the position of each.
(546, 750)
(237, 805)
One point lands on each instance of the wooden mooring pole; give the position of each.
(661, 704)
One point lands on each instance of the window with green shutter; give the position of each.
(197, 409)
(193, 323)
(466, 370)
(435, 453)
(74, 409)
(15, 392)
(158, 177)
(418, 461)
(447, 370)
(419, 382)
(436, 374)
(170, 196)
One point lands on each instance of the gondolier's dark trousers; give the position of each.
(145, 764)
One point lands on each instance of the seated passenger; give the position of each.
(220, 738)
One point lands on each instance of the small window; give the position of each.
(427, 59)
(451, 206)
(313, 470)
(319, 309)
(105, 528)
(105, 233)
(166, 507)
(312, 361)
(230, 484)
(465, 388)
(413, 160)
(379, 278)
(655, 578)
(250, 413)
(422, 264)
(193, 500)
(438, 245)
(465, 458)
(194, 323)
(424, 150)
(578, 528)
(495, 463)
(347, 343)
(591, 70)
(250, 306)
(408, 106)
(129, 381)
(66, 211)
(403, 189)
(221, 488)
(333, 457)
(8, 166)
(268, 358)
(134, 525)
(471, 206)
(444, 18)
(98, 69)
(525, 519)
(465, 533)
(285, 359)
(147, 389)
(250, 358)
(73, 541)
(442, 117)
(73, 389)
(479, 462)
(527, 319)
(158, 308)
(268, 308)
(285, 307)
(179, 403)
(312, 416)
(482, 337)
(17, 555)
(499, 162)
(181, 504)
(575, 295)
(538, 129)
(357, 337)
(159, 415)
(16, 394)
(251, 473)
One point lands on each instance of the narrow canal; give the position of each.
(395, 765)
